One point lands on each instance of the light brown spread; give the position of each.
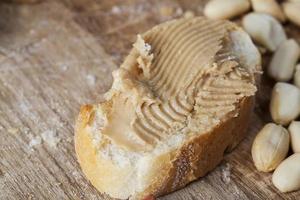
(181, 74)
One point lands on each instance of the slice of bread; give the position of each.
(182, 97)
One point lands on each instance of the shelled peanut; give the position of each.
(284, 60)
(226, 9)
(294, 130)
(297, 76)
(285, 103)
(261, 26)
(291, 10)
(270, 147)
(286, 177)
(270, 7)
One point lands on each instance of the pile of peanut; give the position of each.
(271, 145)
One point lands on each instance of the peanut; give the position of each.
(225, 9)
(285, 103)
(297, 76)
(264, 29)
(294, 130)
(270, 147)
(286, 177)
(291, 10)
(284, 60)
(270, 7)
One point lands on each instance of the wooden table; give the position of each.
(57, 55)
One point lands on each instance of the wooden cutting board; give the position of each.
(58, 55)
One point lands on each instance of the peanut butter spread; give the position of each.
(181, 75)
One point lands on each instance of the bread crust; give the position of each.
(200, 154)
(170, 171)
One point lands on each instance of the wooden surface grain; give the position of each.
(57, 55)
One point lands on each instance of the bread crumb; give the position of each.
(91, 79)
(236, 114)
(166, 11)
(58, 184)
(226, 171)
(43, 40)
(178, 12)
(35, 141)
(64, 67)
(30, 196)
(32, 32)
(142, 47)
(25, 130)
(188, 14)
(115, 10)
(13, 130)
(69, 140)
(50, 138)
(236, 191)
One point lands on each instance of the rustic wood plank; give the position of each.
(57, 55)
(49, 67)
